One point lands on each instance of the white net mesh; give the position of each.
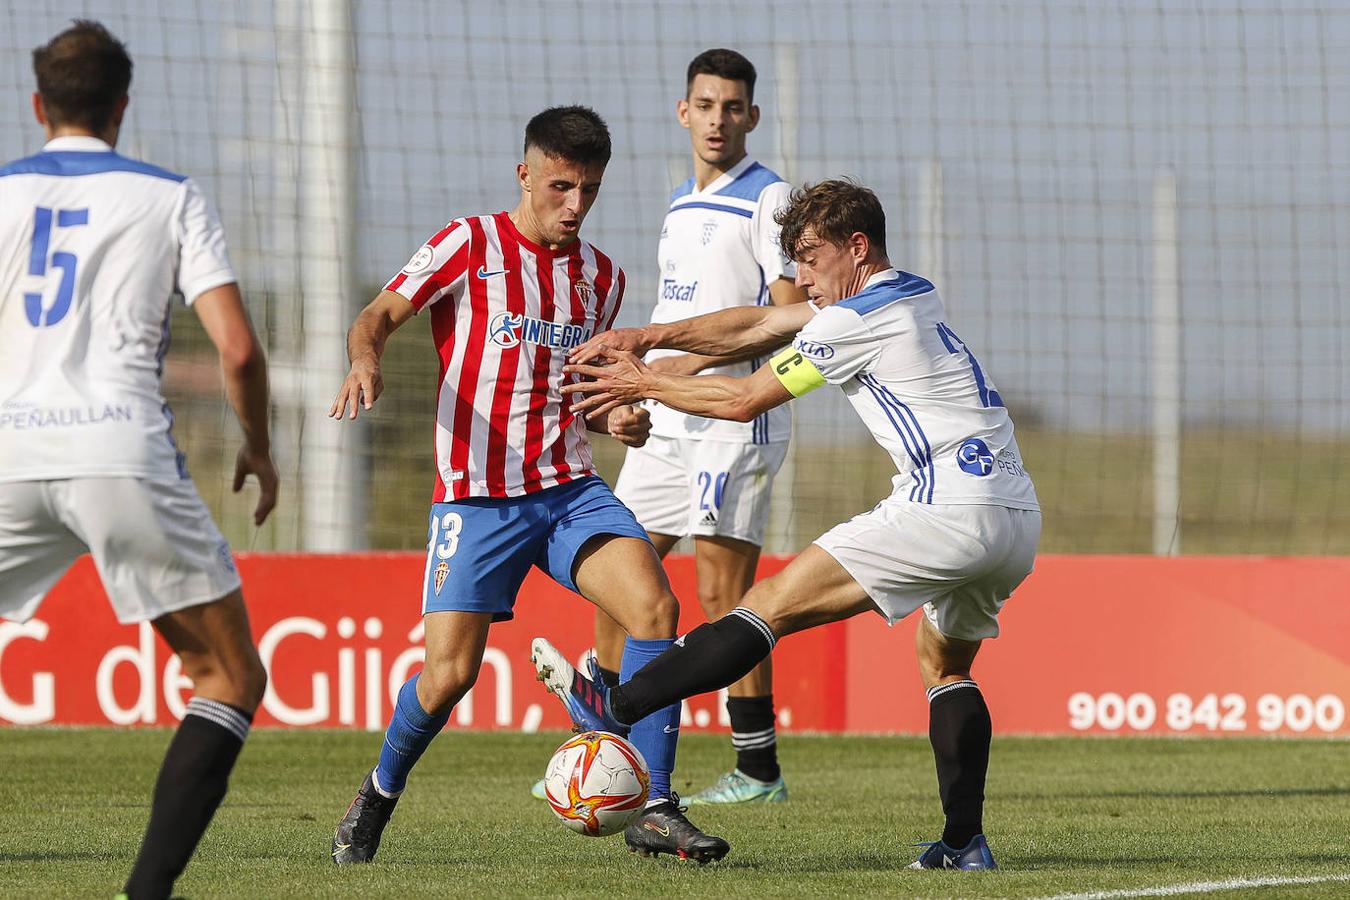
(1046, 164)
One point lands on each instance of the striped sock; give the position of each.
(192, 782)
(754, 736)
(711, 656)
(959, 729)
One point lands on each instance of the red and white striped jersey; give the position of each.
(504, 313)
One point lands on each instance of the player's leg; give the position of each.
(623, 577)
(161, 558)
(455, 642)
(959, 729)
(598, 549)
(609, 634)
(812, 590)
(730, 486)
(653, 484)
(216, 648)
(955, 623)
(726, 571)
(478, 552)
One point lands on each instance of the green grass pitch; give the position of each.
(1063, 815)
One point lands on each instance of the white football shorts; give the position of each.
(704, 488)
(959, 562)
(155, 546)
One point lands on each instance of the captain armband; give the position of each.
(796, 373)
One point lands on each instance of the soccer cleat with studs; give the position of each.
(737, 787)
(663, 828)
(938, 855)
(584, 698)
(359, 830)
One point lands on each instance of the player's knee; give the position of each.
(655, 619)
(252, 681)
(717, 599)
(773, 602)
(443, 683)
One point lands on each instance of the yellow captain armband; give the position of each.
(797, 373)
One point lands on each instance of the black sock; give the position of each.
(959, 729)
(710, 657)
(191, 785)
(753, 736)
(609, 677)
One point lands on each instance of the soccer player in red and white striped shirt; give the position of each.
(509, 294)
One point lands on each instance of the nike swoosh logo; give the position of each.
(484, 273)
(340, 847)
(664, 832)
(670, 730)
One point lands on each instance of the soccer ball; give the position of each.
(596, 783)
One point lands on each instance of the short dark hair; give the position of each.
(723, 63)
(833, 210)
(574, 133)
(82, 73)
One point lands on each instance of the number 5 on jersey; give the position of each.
(38, 264)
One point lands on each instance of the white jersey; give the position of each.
(919, 389)
(92, 248)
(719, 249)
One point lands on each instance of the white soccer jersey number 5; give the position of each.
(446, 536)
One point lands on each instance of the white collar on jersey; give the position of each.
(87, 143)
(879, 277)
(726, 177)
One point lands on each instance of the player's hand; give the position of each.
(623, 379)
(630, 425)
(361, 388)
(634, 340)
(259, 464)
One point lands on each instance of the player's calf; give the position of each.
(192, 782)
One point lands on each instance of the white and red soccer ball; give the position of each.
(596, 783)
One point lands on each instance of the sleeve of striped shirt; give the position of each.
(203, 262)
(439, 267)
(768, 252)
(839, 343)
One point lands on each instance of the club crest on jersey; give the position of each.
(974, 457)
(507, 330)
(421, 260)
(438, 576)
(585, 290)
(709, 229)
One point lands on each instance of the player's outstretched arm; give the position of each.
(244, 365)
(365, 345)
(626, 379)
(782, 292)
(741, 332)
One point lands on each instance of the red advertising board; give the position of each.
(1090, 644)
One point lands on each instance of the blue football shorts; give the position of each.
(480, 548)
